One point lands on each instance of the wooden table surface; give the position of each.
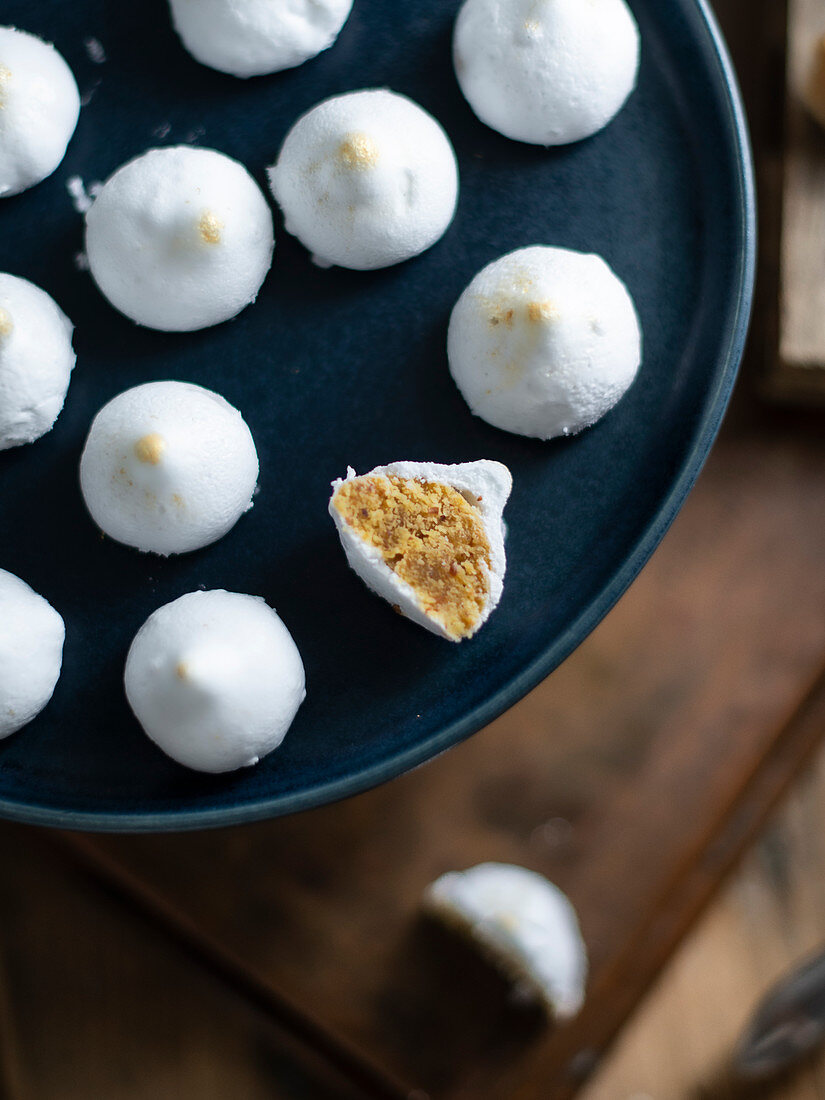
(769, 917)
(286, 960)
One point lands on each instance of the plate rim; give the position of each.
(575, 633)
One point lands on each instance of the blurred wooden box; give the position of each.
(796, 373)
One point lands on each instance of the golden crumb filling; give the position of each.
(431, 537)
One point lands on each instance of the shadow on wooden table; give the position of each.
(435, 979)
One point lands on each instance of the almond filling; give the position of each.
(431, 537)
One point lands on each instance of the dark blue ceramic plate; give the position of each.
(332, 368)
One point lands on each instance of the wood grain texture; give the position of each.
(218, 959)
(800, 371)
(692, 884)
(102, 1007)
(770, 916)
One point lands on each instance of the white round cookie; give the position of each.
(544, 341)
(546, 72)
(39, 108)
(31, 652)
(253, 37)
(180, 238)
(168, 467)
(366, 180)
(524, 923)
(485, 484)
(36, 361)
(215, 679)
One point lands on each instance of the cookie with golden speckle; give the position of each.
(168, 467)
(366, 180)
(180, 238)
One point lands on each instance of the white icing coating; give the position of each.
(544, 341)
(180, 238)
(39, 108)
(168, 467)
(366, 180)
(252, 37)
(215, 679)
(36, 361)
(524, 923)
(484, 484)
(31, 652)
(546, 71)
